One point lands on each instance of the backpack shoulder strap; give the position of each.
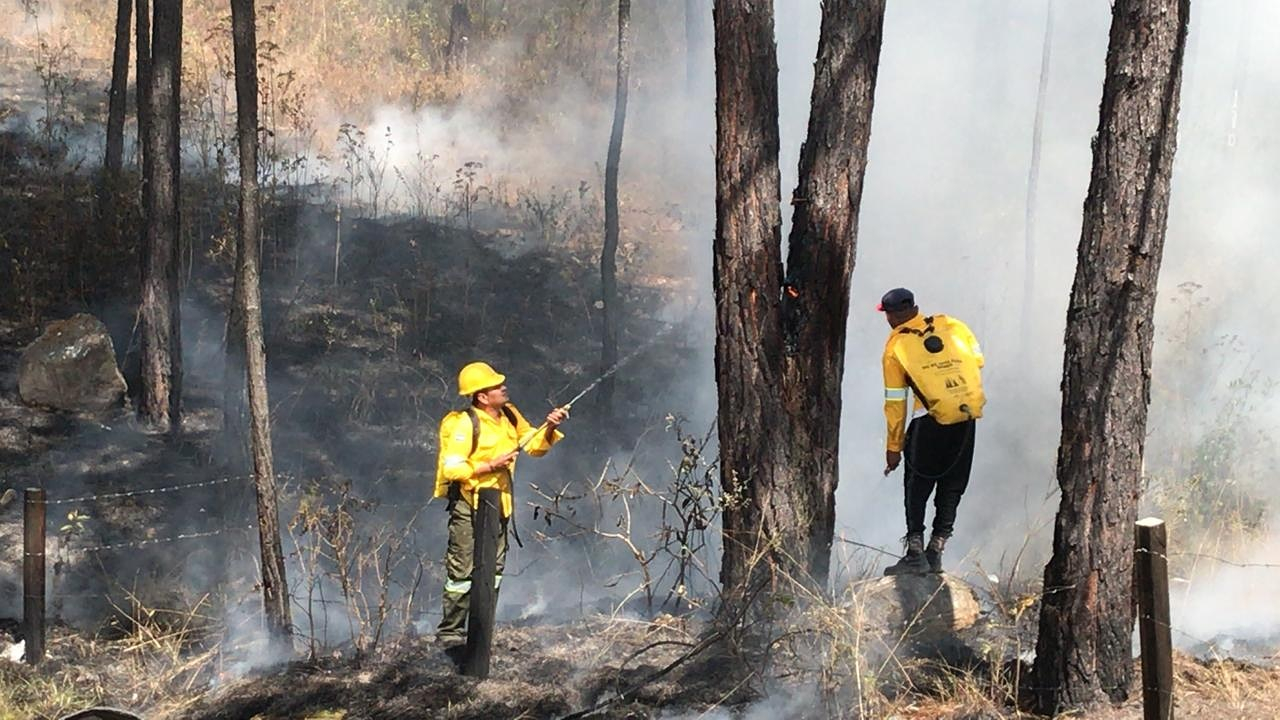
(475, 425)
(475, 430)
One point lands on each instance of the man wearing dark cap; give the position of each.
(939, 359)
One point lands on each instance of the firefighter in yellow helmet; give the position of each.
(478, 449)
(939, 360)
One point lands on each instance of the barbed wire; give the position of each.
(157, 541)
(1224, 561)
(147, 491)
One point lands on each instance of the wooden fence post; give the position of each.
(33, 579)
(484, 596)
(1152, 568)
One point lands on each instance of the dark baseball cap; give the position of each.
(897, 299)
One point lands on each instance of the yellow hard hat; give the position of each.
(477, 376)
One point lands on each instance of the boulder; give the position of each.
(72, 366)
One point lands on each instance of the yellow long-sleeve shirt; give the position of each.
(898, 365)
(497, 437)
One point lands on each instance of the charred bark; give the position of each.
(160, 406)
(142, 89)
(275, 588)
(780, 345)
(1083, 654)
(747, 272)
(455, 50)
(609, 253)
(820, 258)
(116, 100)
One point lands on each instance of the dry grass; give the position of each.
(154, 659)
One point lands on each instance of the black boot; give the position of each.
(913, 563)
(933, 553)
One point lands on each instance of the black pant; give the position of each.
(936, 456)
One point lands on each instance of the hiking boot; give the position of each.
(913, 563)
(933, 553)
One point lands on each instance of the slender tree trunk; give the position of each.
(1033, 182)
(820, 258)
(1084, 650)
(116, 101)
(109, 183)
(609, 253)
(142, 86)
(275, 588)
(161, 327)
(780, 345)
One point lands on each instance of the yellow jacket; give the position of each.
(457, 463)
(947, 384)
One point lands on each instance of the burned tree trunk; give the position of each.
(780, 346)
(747, 272)
(609, 253)
(1083, 654)
(160, 313)
(455, 50)
(820, 259)
(142, 89)
(117, 97)
(275, 588)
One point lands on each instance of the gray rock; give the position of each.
(72, 366)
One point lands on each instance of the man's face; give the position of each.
(494, 396)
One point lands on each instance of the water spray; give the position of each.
(610, 372)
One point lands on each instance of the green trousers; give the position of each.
(458, 564)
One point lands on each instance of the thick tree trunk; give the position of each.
(820, 260)
(609, 253)
(1084, 651)
(780, 346)
(116, 100)
(275, 588)
(455, 50)
(161, 328)
(747, 272)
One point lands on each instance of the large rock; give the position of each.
(72, 366)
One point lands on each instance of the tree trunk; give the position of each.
(780, 347)
(747, 272)
(820, 259)
(275, 588)
(116, 101)
(108, 213)
(142, 86)
(160, 321)
(609, 253)
(455, 51)
(1083, 654)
